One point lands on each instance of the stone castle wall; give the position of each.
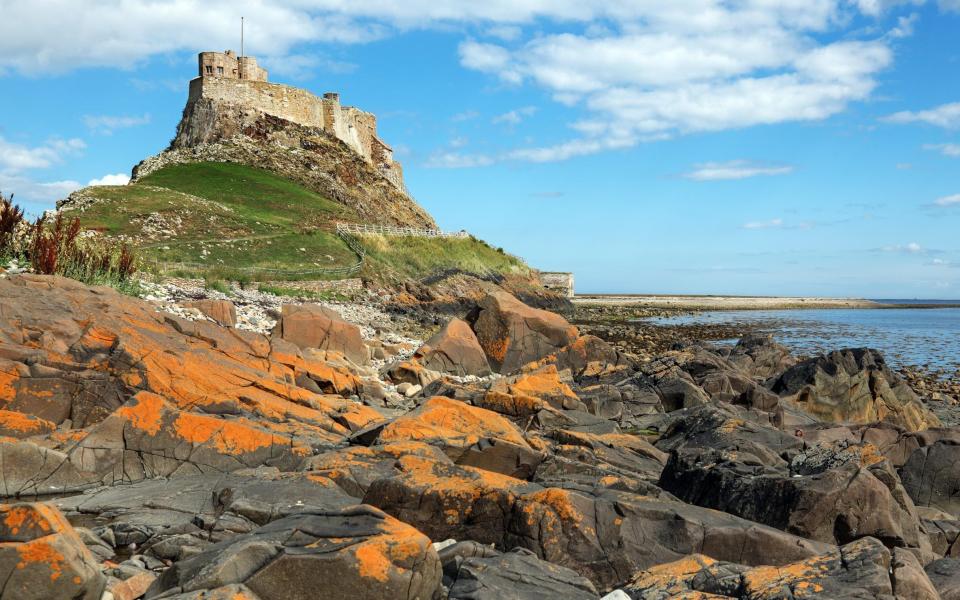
(558, 282)
(356, 128)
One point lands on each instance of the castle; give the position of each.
(226, 77)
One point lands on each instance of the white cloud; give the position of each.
(771, 224)
(116, 179)
(952, 150)
(950, 5)
(467, 115)
(945, 115)
(15, 158)
(953, 200)
(908, 248)
(107, 124)
(457, 160)
(37, 192)
(735, 169)
(514, 117)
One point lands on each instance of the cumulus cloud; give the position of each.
(946, 201)
(951, 150)
(514, 117)
(945, 115)
(116, 179)
(15, 158)
(107, 124)
(735, 169)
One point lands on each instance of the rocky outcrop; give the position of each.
(43, 558)
(454, 350)
(215, 131)
(512, 334)
(862, 569)
(518, 574)
(360, 550)
(222, 312)
(315, 326)
(853, 386)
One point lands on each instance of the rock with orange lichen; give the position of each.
(859, 570)
(148, 437)
(530, 392)
(454, 350)
(78, 353)
(616, 460)
(590, 361)
(358, 552)
(227, 592)
(468, 435)
(518, 575)
(604, 535)
(412, 372)
(355, 468)
(692, 574)
(315, 326)
(43, 558)
(513, 334)
(20, 425)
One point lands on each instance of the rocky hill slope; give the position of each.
(508, 457)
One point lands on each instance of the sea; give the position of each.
(926, 334)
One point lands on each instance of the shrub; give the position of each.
(11, 217)
(58, 248)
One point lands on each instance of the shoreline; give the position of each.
(735, 303)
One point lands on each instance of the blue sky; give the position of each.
(806, 147)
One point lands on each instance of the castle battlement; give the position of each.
(224, 77)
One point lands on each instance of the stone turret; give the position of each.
(227, 65)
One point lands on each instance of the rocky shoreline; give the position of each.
(203, 445)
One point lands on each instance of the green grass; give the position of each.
(330, 296)
(229, 218)
(226, 217)
(412, 257)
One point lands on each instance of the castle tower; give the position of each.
(227, 65)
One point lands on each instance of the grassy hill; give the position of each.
(232, 221)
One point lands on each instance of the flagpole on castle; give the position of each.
(241, 36)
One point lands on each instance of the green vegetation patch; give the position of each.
(392, 258)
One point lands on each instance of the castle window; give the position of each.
(220, 71)
(209, 70)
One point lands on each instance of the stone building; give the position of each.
(228, 65)
(225, 77)
(559, 282)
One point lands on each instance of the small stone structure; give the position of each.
(558, 282)
(225, 77)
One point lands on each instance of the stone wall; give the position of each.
(356, 128)
(558, 282)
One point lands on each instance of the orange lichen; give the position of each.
(144, 412)
(497, 349)
(229, 437)
(24, 424)
(453, 421)
(41, 551)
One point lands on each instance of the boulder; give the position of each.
(932, 475)
(528, 393)
(859, 570)
(358, 552)
(223, 312)
(836, 497)
(315, 326)
(758, 355)
(513, 334)
(853, 386)
(454, 350)
(573, 529)
(518, 575)
(944, 574)
(468, 435)
(43, 558)
(20, 425)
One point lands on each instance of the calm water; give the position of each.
(926, 337)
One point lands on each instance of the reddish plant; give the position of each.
(10, 218)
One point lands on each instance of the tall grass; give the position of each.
(11, 217)
(58, 248)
